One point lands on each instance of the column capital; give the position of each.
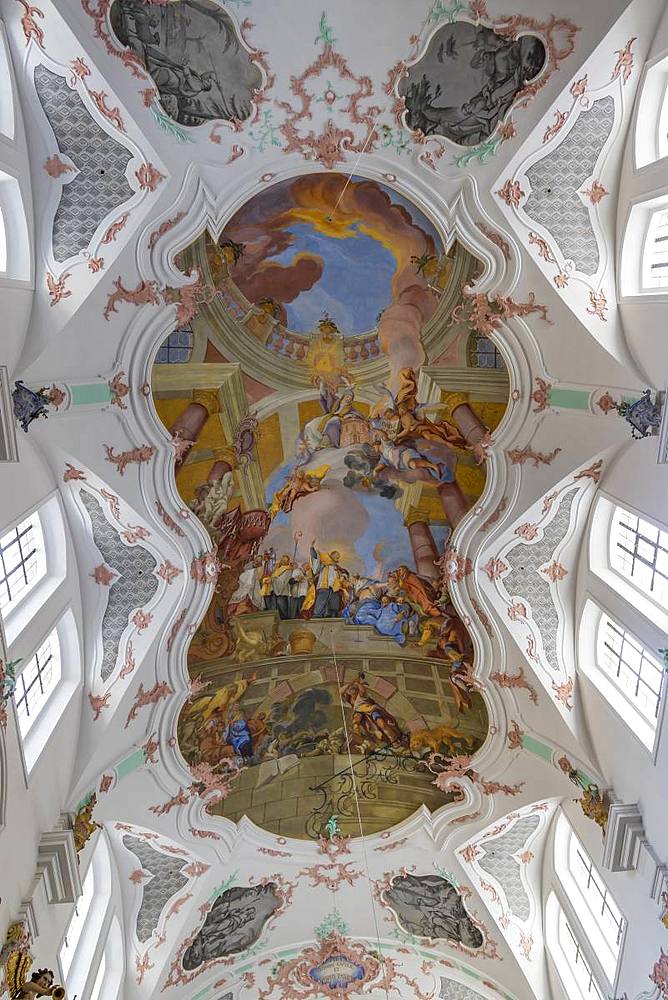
(208, 398)
(225, 454)
(415, 516)
(451, 402)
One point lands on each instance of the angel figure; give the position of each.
(40, 984)
(299, 484)
(212, 498)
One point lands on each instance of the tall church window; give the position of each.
(22, 561)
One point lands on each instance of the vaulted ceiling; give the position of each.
(325, 303)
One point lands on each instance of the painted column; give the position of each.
(424, 549)
(217, 471)
(454, 503)
(188, 426)
(458, 410)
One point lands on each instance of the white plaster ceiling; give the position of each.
(181, 180)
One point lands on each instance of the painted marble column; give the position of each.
(469, 423)
(424, 549)
(188, 426)
(454, 503)
(217, 471)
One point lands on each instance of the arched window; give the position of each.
(80, 950)
(655, 257)
(176, 349)
(594, 906)
(577, 963)
(109, 975)
(634, 671)
(587, 926)
(22, 561)
(6, 95)
(639, 553)
(483, 353)
(36, 682)
(651, 136)
(42, 638)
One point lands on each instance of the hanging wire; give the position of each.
(357, 804)
(330, 218)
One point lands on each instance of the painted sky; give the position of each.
(358, 264)
(320, 243)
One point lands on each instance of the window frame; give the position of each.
(53, 639)
(613, 543)
(166, 346)
(651, 126)
(601, 564)
(86, 955)
(8, 112)
(472, 352)
(627, 636)
(569, 898)
(41, 558)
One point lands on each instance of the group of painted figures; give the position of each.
(397, 443)
(216, 727)
(404, 604)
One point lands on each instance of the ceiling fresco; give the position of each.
(467, 79)
(313, 246)
(331, 515)
(327, 446)
(193, 53)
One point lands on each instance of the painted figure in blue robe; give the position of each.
(388, 617)
(29, 405)
(238, 736)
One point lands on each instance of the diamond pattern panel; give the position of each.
(133, 587)
(554, 202)
(101, 185)
(498, 861)
(526, 582)
(166, 880)
(456, 991)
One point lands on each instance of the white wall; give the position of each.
(36, 795)
(634, 772)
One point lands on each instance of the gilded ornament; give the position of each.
(84, 825)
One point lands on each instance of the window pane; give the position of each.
(577, 962)
(99, 979)
(483, 353)
(37, 680)
(176, 349)
(22, 561)
(656, 252)
(631, 668)
(601, 907)
(640, 553)
(77, 921)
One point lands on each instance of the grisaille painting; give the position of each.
(328, 438)
(194, 56)
(467, 80)
(431, 907)
(233, 924)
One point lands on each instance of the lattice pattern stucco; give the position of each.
(100, 186)
(166, 880)
(556, 180)
(499, 862)
(134, 586)
(533, 587)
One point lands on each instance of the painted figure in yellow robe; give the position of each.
(371, 723)
(299, 484)
(329, 581)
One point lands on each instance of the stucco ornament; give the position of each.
(432, 908)
(337, 968)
